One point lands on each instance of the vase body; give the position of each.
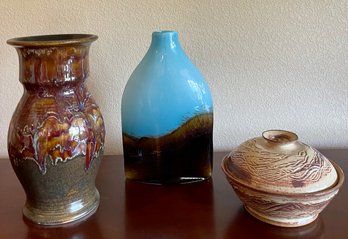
(167, 117)
(56, 134)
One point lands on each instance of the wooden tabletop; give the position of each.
(208, 209)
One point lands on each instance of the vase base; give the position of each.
(76, 211)
(179, 180)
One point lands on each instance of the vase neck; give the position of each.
(165, 41)
(53, 65)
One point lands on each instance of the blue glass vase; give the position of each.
(167, 117)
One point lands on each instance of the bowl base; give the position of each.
(281, 222)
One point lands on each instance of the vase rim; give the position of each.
(165, 32)
(52, 40)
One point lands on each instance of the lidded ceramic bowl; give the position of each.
(281, 180)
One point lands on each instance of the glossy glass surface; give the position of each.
(164, 91)
(167, 117)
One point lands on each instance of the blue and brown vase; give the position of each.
(167, 117)
(56, 135)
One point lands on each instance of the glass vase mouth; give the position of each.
(165, 41)
(52, 40)
(165, 32)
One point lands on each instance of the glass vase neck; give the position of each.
(165, 41)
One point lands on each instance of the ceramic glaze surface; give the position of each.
(281, 164)
(178, 91)
(56, 134)
(281, 180)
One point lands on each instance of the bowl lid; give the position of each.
(277, 162)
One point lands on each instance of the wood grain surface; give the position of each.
(208, 209)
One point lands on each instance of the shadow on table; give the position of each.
(246, 226)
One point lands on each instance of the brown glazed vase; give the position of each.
(56, 135)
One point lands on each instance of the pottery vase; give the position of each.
(56, 135)
(167, 117)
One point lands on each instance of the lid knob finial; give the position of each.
(279, 136)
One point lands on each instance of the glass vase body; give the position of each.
(167, 117)
(56, 134)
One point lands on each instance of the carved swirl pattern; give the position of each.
(286, 208)
(280, 170)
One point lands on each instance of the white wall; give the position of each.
(270, 64)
